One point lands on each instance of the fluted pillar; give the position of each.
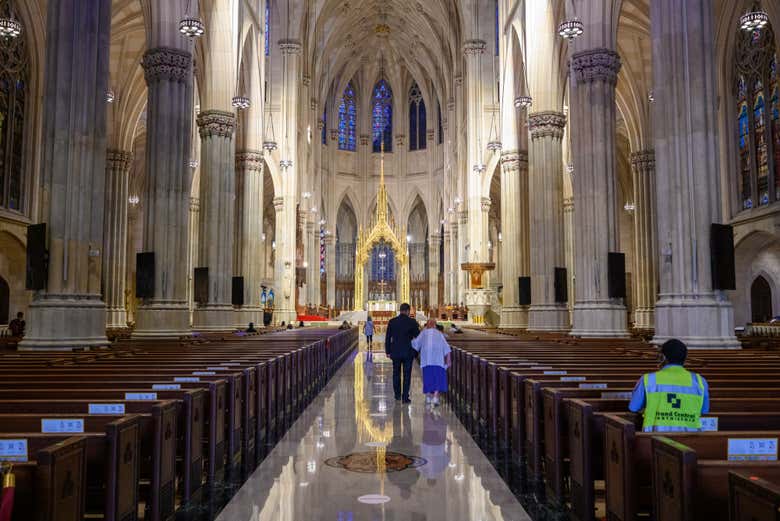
(545, 186)
(69, 312)
(686, 156)
(330, 268)
(249, 173)
(118, 163)
(217, 202)
(593, 120)
(168, 73)
(434, 244)
(515, 251)
(462, 255)
(645, 239)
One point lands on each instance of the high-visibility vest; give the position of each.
(674, 399)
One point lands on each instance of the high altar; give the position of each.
(380, 231)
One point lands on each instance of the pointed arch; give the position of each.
(418, 124)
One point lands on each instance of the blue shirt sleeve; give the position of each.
(637, 402)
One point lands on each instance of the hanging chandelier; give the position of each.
(269, 143)
(571, 29)
(110, 96)
(194, 163)
(285, 163)
(479, 168)
(191, 26)
(133, 200)
(523, 102)
(753, 20)
(241, 102)
(9, 28)
(494, 146)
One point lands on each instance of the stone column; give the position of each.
(249, 172)
(69, 312)
(545, 184)
(462, 256)
(447, 238)
(645, 238)
(330, 268)
(686, 155)
(593, 119)
(168, 73)
(568, 241)
(192, 258)
(434, 244)
(118, 165)
(217, 202)
(515, 251)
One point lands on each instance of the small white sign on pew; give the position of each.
(593, 386)
(141, 396)
(204, 373)
(709, 423)
(573, 378)
(106, 408)
(616, 396)
(57, 425)
(166, 387)
(554, 373)
(13, 450)
(752, 449)
(186, 379)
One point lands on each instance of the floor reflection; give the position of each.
(357, 415)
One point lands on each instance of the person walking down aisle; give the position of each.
(435, 359)
(673, 398)
(401, 330)
(368, 330)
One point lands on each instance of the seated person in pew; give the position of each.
(251, 328)
(673, 398)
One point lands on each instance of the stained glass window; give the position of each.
(758, 118)
(347, 115)
(382, 116)
(417, 123)
(14, 73)
(267, 27)
(382, 263)
(324, 131)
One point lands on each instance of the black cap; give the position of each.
(675, 351)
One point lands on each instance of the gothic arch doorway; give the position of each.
(5, 298)
(760, 300)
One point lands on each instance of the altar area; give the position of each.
(381, 306)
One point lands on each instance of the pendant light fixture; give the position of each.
(191, 26)
(754, 20)
(9, 27)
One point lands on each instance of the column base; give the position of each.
(116, 318)
(65, 322)
(644, 318)
(214, 317)
(702, 321)
(246, 314)
(548, 317)
(162, 319)
(599, 319)
(514, 317)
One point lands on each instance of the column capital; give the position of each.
(513, 161)
(278, 203)
(364, 139)
(194, 204)
(166, 63)
(290, 46)
(643, 160)
(568, 204)
(546, 124)
(334, 134)
(313, 104)
(320, 124)
(216, 123)
(118, 160)
(249, 160)
(434, 239)
(458, 82)
(451, 102)
(400, 139)
(485, 204)
(306, 80)
(596, 65)
(329, 240)
(463, 216)
(474, 47)
(430, 134)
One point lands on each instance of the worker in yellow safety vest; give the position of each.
(673, 398)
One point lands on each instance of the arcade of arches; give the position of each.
(254, 151)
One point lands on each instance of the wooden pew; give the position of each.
(752, 498)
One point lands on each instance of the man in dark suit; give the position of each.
(398, 346)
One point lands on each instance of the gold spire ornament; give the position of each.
(380, 231)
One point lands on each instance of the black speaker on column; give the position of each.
(524, 298)
(144, 274)
(238, 291)
(616, 274)
(722, 257)
(37, 264)
(561, 286)
(201, 285)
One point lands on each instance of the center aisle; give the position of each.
(358, 455)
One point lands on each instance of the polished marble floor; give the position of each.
(358, 455)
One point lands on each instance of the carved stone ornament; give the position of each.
(290, 46)
(400, 139)
(249, 161)
(165, 63)
(473, 47)
(512, 161)
(596, 65)
(119, 160)
(364, 139)
(643, 161)
(278, 203)
(485, 204)
(546, 124)
(216, 123)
